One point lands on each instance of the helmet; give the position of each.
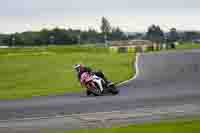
(78, 67)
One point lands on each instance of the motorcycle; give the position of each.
(96, 85)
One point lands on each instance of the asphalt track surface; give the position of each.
(167, 85)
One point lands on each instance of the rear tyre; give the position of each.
(114, 90)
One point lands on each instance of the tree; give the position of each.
(105, 26)
(173, 35)
(191, 35)
(4, 39)
(44, 36)
(155, 34)
(16, 39)
(117, 34)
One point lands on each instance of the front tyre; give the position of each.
(88, 93)
(94, 89)
(97, 90)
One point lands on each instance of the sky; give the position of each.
(129, 15)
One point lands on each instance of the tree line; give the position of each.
(59, 36)
(157, 35)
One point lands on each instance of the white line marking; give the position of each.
(136, 70)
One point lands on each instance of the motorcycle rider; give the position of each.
(80, 69)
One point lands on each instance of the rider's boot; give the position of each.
(109, 83)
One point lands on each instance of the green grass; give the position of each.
(181, 47)
(25, 73)
(188, 46)
(164, 127)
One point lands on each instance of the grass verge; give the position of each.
(189, 46)
(25, 73)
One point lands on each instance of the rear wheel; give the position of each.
(113, 90)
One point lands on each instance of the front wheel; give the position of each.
(88, 92)
(94, 89)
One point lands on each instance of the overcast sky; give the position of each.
(130, 15)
